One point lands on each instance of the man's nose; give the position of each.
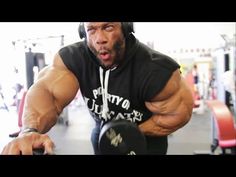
(101, 37)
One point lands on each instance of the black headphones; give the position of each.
(127, 27)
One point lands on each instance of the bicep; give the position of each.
(173, 105)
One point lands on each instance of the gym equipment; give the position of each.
(224, 130)
(121, 137)
(33, 60)
(64, 116)
(127, 27)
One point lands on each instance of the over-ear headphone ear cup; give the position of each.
(128, 27)
(82, 33)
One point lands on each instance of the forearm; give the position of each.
(167, 123)
(151, 128)
(162, 125)
(40, 109)
(54, 89)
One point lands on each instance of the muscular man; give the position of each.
(119, 78)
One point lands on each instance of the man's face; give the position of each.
(106, 41)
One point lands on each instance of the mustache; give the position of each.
(103, 50)
(100, 51)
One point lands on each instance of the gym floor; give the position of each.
(74, 138)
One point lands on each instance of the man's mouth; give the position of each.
(104, 55)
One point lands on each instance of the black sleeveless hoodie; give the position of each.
(121, 92)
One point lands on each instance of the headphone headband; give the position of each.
(127, 27)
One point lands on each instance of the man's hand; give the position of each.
(27, 142)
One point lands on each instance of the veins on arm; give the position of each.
(55, 87)
(171, 108)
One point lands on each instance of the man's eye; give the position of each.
(90, 31)
(109, 28)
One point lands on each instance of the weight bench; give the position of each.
(223, 129)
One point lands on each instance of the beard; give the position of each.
(116, 51)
